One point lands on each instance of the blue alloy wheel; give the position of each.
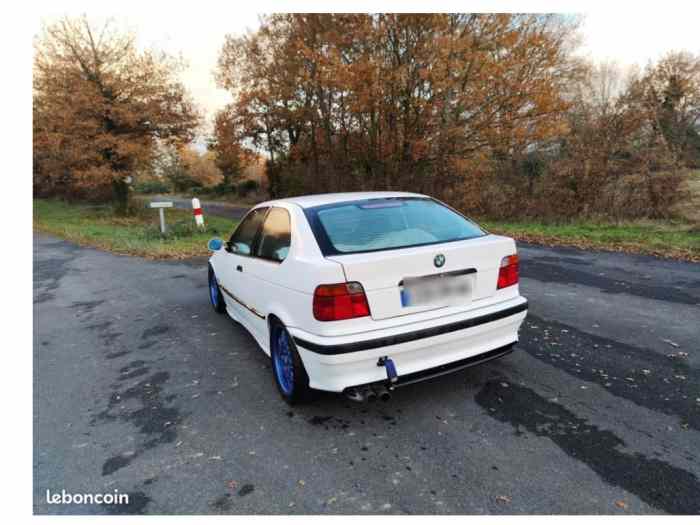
(283, 361)
(213, 291)
(217, 301)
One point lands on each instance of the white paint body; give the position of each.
(285, 290)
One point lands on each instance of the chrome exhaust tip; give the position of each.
(369, 394)
(383, 393)
(353, 394)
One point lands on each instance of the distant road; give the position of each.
(220, 209)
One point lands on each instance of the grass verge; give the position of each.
(229, 198)
(139, 234)
(662, 239)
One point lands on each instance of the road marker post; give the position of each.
(197, 211)
(161, 211)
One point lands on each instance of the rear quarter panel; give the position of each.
(285, 290)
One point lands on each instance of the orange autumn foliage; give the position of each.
(99, 106)
(392, 101)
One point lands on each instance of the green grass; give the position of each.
(135, 235)
(139, 234)
(662, 238)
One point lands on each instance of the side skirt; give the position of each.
(264, 345)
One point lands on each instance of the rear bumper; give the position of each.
(336, 363)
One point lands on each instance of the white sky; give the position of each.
(628, 36)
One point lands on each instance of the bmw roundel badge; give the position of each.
(439, 260)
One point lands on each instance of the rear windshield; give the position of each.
(386, 224)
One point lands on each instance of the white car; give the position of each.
(363, 292)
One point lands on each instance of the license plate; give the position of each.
(437, 290)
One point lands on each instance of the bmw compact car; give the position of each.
(363, 292)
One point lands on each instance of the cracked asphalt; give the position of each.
(140, 387)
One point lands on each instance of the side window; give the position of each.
(244, 236)
(276, 236)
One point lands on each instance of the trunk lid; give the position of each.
(382, 274)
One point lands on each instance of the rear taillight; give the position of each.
(334, 302)
(508, 273)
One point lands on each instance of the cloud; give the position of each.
(635, 36)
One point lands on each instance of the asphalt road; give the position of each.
(140, 387)
(221, 209)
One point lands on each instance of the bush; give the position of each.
(247, 186)
(223, 189)
(180, 229)
(152, 186)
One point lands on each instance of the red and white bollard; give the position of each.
(197, 210)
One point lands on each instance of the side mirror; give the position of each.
(215, 244)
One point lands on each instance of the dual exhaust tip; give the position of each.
(368, 393)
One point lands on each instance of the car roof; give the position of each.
(310, 201)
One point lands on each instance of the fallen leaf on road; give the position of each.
(503, 499)
(302, 482)
(621, 504)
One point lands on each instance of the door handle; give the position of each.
(239, 268)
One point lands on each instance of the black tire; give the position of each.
(215, 297)
(300, 391)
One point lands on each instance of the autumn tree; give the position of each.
(230, 156)
(184, 168)
(665, 100)
(390, 101)
(201, 167)
(595, 148)
(99, 106)
(618, 156)
(670, 94)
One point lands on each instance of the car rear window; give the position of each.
(386, 224)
